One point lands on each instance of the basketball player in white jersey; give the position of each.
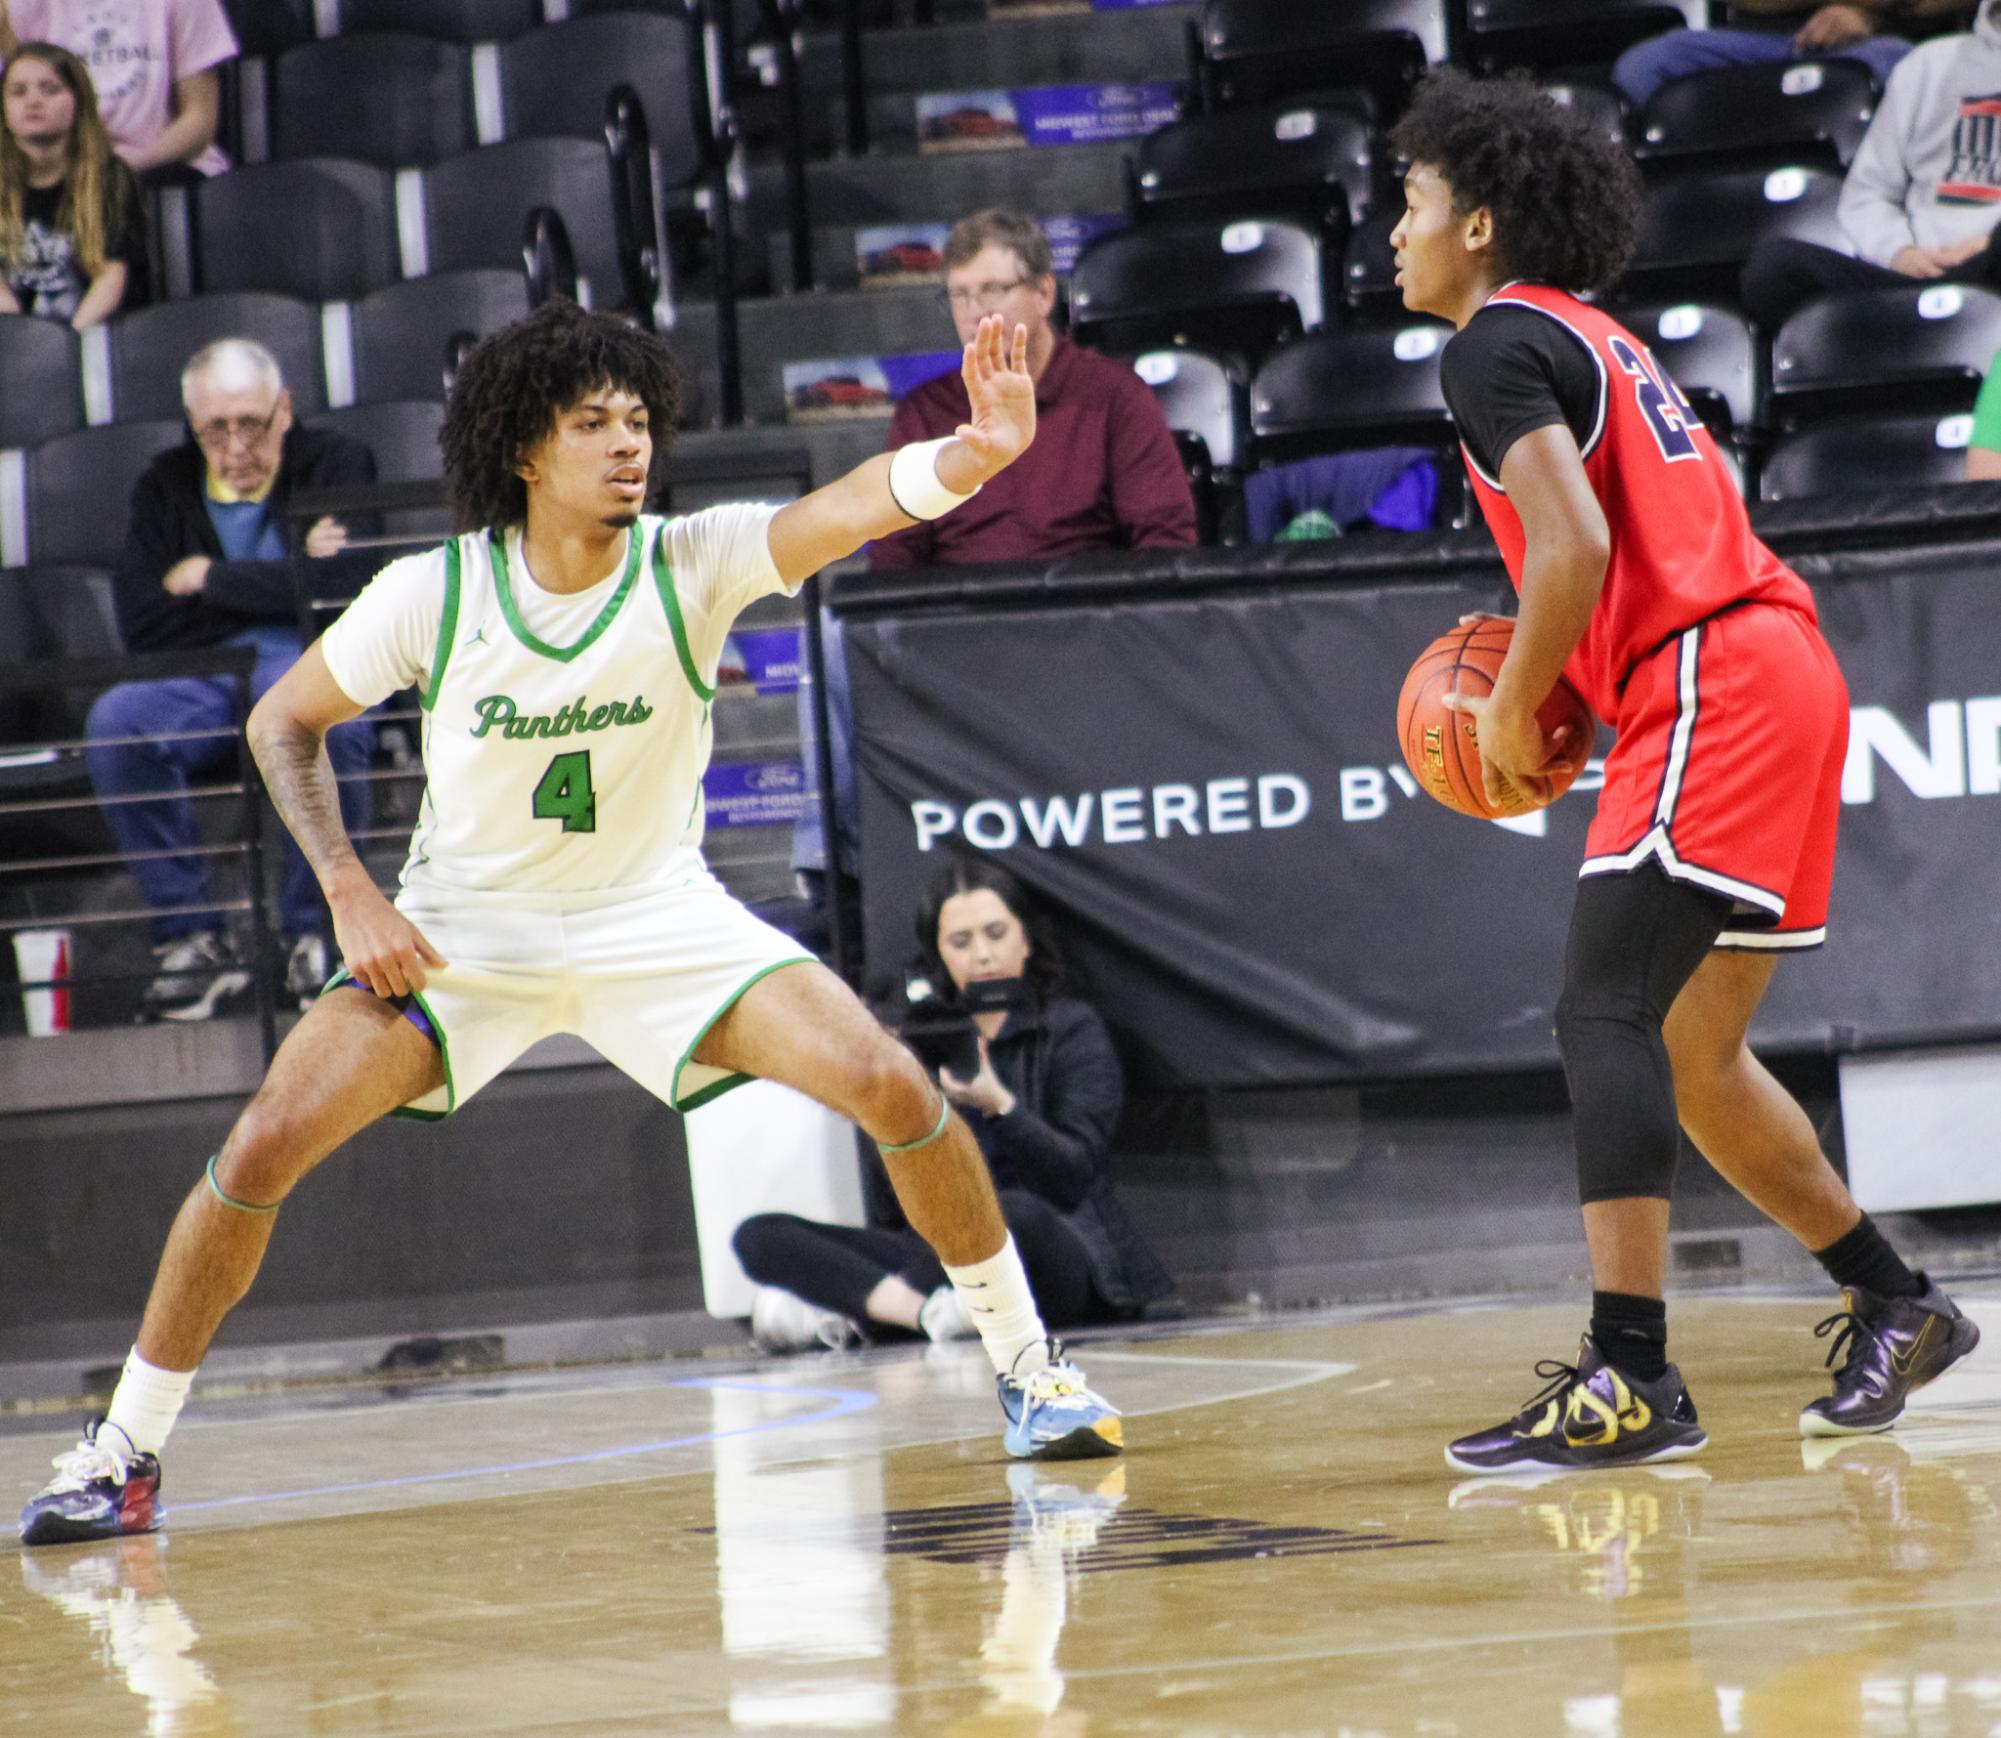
(564, 647)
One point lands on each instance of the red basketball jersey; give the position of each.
(1682, 544)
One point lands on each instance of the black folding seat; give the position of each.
(1235, 287)
(395, 100)
(1905, 347)
(151, 347)
(1710, 353)
(1369, 386)
(448, 20)
(1204, 398)
(1599, 104)
(319, 227)
(1249, 51)
(1314, 164)
(269, 26)
(42, 370)
(403, 436)
(1369, 269)
(554, 82)
(477, 207)
(1863, 454)
(80, 488)
(1813, 111)
(1492, 34)
(1701, 226)
(402, 334)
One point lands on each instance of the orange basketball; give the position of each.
(1442, 747)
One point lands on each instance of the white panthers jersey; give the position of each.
(565, 737)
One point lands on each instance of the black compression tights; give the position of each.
(1635, 940)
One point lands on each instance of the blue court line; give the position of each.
(845, 1401)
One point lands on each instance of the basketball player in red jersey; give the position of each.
(1713, 847)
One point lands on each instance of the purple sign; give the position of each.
(1084, 114)
(754, 793)
(1069, 233)
(771, 659)
(903, 373)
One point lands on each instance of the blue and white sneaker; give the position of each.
(1052, 1415)
(98, 1492)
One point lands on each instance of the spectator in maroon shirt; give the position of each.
(1103, 472)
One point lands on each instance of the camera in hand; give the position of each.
(942, 1033)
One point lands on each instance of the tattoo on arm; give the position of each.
(300, 780)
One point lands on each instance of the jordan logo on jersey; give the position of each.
(498, 711)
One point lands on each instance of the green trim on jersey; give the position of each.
(344, 976)
(715, 1089)
(663, 579)
(448, 627)
(562, 654)
(1987, 413)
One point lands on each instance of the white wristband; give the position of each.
(914, 485)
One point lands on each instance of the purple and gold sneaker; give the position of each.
(1894, 1345)
(1590, 1415)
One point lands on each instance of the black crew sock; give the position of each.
(1631, 1333)
(1864, 1258)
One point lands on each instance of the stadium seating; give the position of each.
(1204, 397)
(41, 363)
(1916, 347)
(449, 20)
(476, 207)
(80, 488)
(1234, 287)
(1813, 111)
(149, 348)
(1858, 455)
(1369, 269)
(403, 437)
(1700, 227)
(269, 26)
(1493, 34)
(1711, 355)
(1250, 51)
(393, 100)
(1314, 164)
(1375, 386)
(554, 81)
(320, 228)
(1600, 104)
(401, 333)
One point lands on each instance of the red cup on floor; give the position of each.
(42, 956)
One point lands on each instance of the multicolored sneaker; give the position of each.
(97, 1493)
(1590, 1415)
(1052, 1415)
(1894, 1345)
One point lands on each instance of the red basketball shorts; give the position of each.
(1727, 772)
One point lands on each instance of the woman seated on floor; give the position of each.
(1039, 1085)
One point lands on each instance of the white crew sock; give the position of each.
(147, 1401)
(999, 1304)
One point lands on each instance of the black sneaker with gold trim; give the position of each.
(1590, 1415)
(1894, 1345)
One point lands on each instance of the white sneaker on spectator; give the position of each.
(193, 978)
(780, 1321)
(944, 1317)
(306, 971)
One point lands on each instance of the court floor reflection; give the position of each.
(839, 1546)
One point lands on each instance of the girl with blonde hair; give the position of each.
(71, 241)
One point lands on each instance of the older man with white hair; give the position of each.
(208, 562)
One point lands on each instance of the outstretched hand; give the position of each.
(1001, 391)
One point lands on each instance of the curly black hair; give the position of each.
(514, 384)
(1565, 196)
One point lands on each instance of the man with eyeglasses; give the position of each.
(208, 562)
(1103, 473)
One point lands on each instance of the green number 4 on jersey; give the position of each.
(565, 794)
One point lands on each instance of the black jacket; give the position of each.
(170, 522)
(1057, 1059)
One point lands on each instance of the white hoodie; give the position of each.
(1929, 169)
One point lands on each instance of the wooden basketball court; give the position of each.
(838, 1545)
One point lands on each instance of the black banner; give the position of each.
(1203, 780)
